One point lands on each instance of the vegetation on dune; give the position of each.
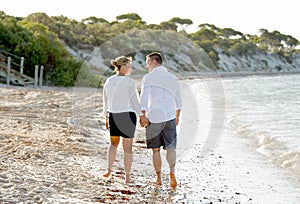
(42, 40)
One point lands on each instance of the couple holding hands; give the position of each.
(158, 108)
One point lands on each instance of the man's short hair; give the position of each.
(155, 55)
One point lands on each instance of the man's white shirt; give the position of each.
(160, 96)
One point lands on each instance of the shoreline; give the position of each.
(45, 160)
(217, 74)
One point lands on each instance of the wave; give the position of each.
(275, 150)
(278, 153)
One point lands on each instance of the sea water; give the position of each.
(266, 110)
(252, 126)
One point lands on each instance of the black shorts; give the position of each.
(122, 124)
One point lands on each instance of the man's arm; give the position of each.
(177, 116)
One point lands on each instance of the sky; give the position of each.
(244, 16)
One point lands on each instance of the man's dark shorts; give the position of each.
(162, 134)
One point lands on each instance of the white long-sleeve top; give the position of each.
(120, 95)
(160, 95)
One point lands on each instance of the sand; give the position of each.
(45, 159)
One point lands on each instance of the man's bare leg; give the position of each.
(157, 164)
(171, 158)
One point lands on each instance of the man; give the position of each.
(161, 103)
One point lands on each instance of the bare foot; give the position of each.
(173, 182)
(158, 182)
(127, 179)
(158, 178)
(107, 175)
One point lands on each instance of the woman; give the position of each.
(121, 106)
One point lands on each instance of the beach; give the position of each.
(53, 148)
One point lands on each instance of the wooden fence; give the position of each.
(12, 69)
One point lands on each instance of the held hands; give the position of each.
(144, 122)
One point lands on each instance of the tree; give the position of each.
(290, 41)
(94, 20)
(204, 34)
(275, 41)
(243, 48)
(11, 34)
(183, 23)
(209, 27)
(2, 15)
(168, 25)
(229, 32)
(41, 18)
(129, 16)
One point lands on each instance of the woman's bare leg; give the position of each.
(127, 147)
(112, 153)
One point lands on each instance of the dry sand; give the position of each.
(45, 160)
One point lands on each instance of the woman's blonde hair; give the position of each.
(119, 61)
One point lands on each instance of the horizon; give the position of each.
(231, 14)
